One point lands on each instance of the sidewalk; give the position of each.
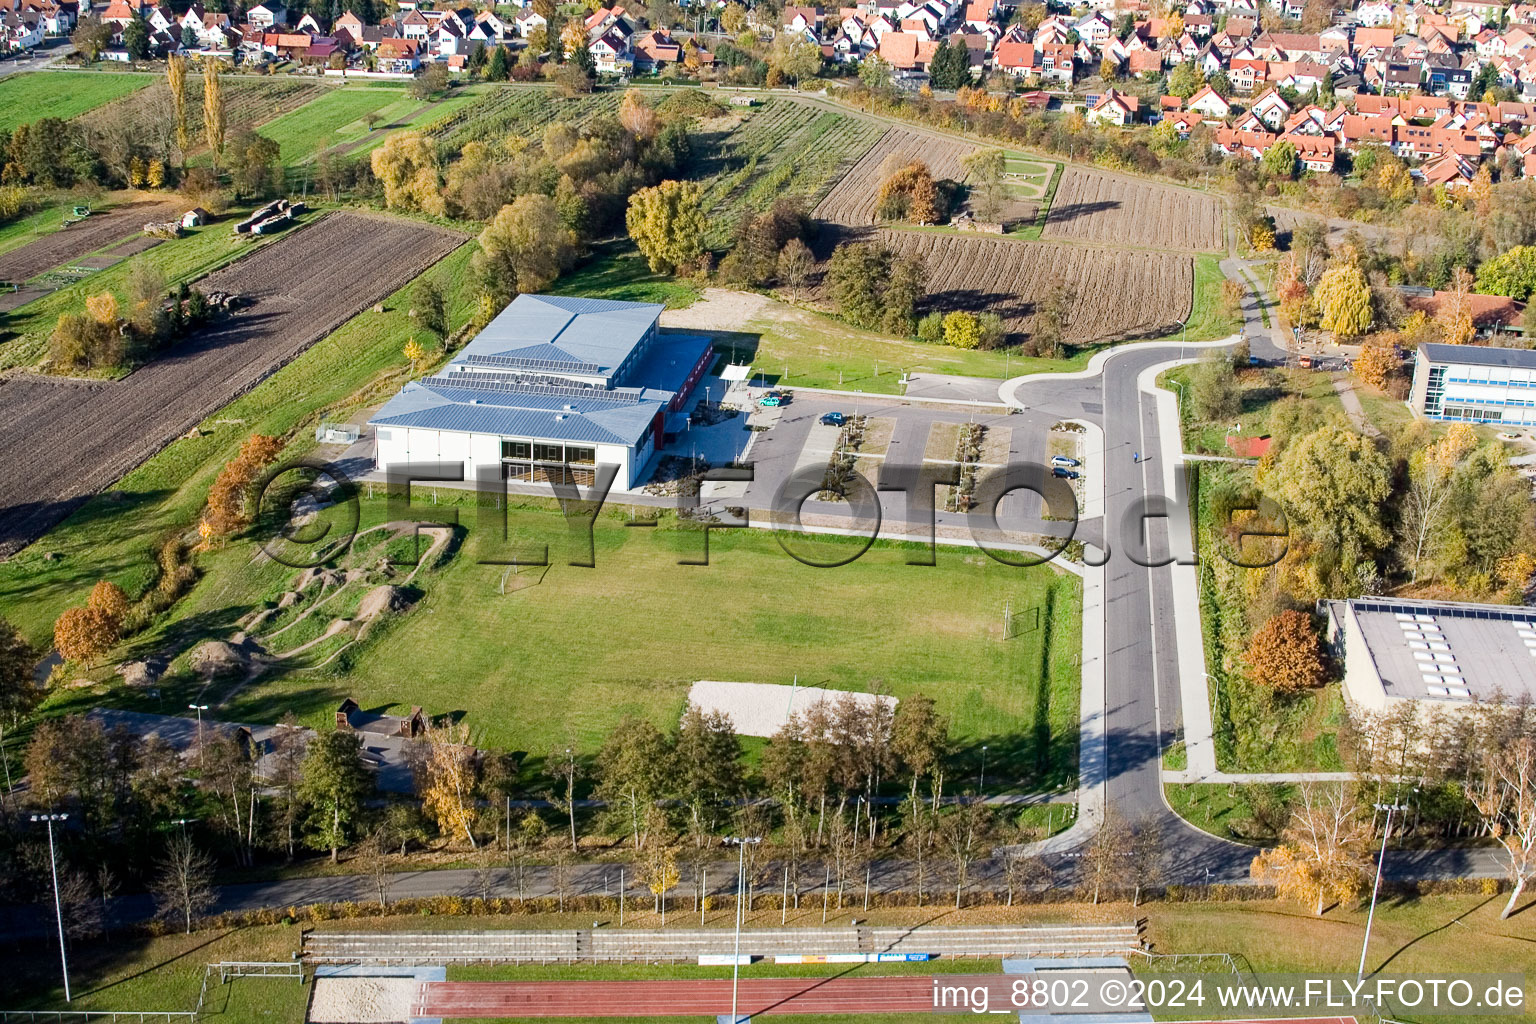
(1199, 727)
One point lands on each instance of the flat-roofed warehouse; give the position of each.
(1447, 653)
(549, 389)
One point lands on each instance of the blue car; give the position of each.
(832, 419)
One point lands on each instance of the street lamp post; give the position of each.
(741, 843)
(58, 910)
(1386, 833)
(199, 708)
(982, 782)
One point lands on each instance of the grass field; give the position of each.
(64, 94)
(333, 119)
(620, 273)
(582, 648)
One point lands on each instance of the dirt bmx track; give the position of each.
(69, 244)
(62, 440)
(1092, 206)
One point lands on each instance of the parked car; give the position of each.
(832, 419)
(1062, 460)
(1065, 473)
(774, 399)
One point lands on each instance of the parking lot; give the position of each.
(896, 432)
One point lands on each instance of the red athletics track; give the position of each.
(680, 998)
(905, 994)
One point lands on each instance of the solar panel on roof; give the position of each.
(532, 363)
(475, 382)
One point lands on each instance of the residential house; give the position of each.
(1114, 108)
(267, 14)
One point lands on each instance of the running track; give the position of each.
(680, 998)
(757, 996)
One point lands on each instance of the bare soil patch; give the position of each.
(1093, 206)
(1119, 293)
(63, 440)
(853, 201)
(69, 244)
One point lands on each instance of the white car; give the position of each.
(1063, 461)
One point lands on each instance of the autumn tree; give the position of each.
(524, 248)
(449, 779)
(1286, 655)
(1323, 854)
(962, 330)
(1332, 482)
(230, 499)
(667, 223)
(1455, 310)
(1343, 297)
(794, 265)
(1375, 364)
(985, 168)
(407, 166)
(1105, 862)
(84, 634)
(637, 117)
(183, 881)
(910, 193)
(1505, 796)
(213, 109)
(176, 78)
(1512, 273)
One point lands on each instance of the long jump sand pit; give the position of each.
(363, 1000)
(761, 709)
(62, 440)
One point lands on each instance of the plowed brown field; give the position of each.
(63, 440)
(69, 244)
(1120, 294)
(1092, 206)
(853, 201)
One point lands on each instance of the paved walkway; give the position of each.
(1346, 391)
(1241, 778)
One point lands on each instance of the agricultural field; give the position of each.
(64, 440)
(503, 110)
(1120, 294)
(1093, 206)
(852, 202)
(63, 94)
(82, 238)
(784, 150)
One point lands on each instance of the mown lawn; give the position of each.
(331, 120)
(30, 96)
(567, 653)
